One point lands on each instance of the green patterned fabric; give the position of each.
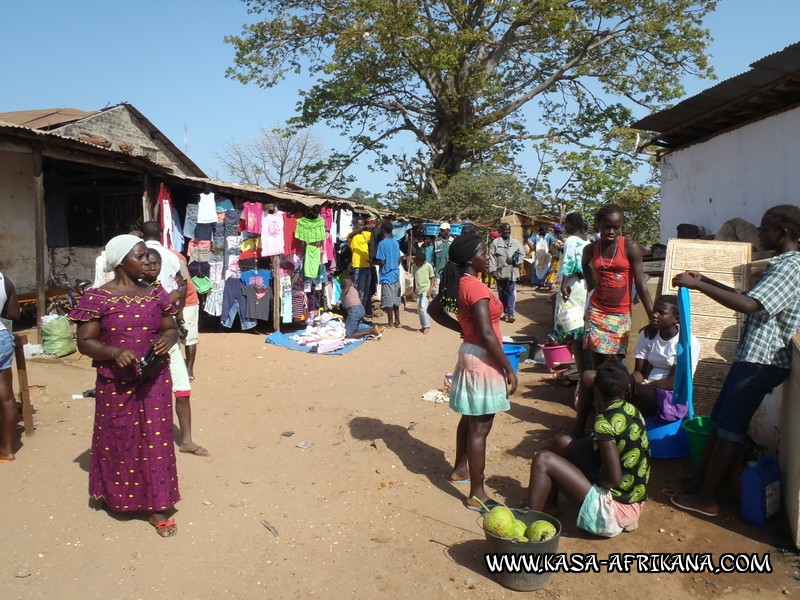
(623, 424)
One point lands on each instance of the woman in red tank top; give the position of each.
(609, 265)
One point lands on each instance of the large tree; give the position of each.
(456, 74)
(281, 155)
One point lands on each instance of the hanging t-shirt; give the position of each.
(312, 261)
(327, 248)
(272, 241)
(310, 230)
(206, 209)
(250, 244)
(260, 277)
(291, 245)
(251, 215)
(345, 219)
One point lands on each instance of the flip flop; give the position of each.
(683, 506)
(199, 451)
(459, 481)
(490, 504)
(163, 528)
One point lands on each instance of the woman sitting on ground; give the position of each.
(654, 375)
(656, 353)
(607, 476)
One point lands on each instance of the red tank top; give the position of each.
(612, 276)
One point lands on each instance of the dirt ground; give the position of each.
(353, 520)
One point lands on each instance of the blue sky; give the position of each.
(168, 59)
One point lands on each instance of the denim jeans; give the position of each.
(227, 320)
(362, 278)
(422, 306)
(507, 292)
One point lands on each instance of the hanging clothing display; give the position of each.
(345, 224)
(311, 262)
(310, 229)
(206, 209)
(232, 252)
(328, 254)
(251, 215)
(165, 216)
(291, 244)
(272, 240)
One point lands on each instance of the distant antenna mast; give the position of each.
(186, 138)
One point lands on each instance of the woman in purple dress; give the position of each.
(132, 466)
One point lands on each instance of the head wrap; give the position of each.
(558, 228)
(117, 249)
(461, 251)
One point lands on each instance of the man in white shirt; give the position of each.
(181, 387)
(170, 265)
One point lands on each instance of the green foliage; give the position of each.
(474, 194)
(366, 198)
(456, 74)
(642, 206)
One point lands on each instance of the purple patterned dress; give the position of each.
(132, 464)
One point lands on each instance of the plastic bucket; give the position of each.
(697, 430)
(557, 355)
(522, 581)
(513, 352)
(667, 440)
(522, 340)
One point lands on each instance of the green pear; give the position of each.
(540, 531)
(499, 521)
(519, 531)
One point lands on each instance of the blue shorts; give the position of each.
(6, 349)
(354, 316)
(742, 393)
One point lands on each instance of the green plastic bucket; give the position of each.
(697, 430)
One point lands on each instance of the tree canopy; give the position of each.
(455, 74)
(281, 155)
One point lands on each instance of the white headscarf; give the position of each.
(117, 249)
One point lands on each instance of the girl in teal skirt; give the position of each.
(483, 378)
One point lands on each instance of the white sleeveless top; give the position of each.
(3, 299)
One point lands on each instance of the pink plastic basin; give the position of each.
(557, 355)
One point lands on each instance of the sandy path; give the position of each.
(353, 521)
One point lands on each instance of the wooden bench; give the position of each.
(22, 380)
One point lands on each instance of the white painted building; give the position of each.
(734, 151)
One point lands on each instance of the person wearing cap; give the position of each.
(505, 256)
(441, 252)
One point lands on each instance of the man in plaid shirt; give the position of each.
(762, 361)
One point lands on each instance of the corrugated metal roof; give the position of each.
(51, 118)
(772, 84)
(46, 118)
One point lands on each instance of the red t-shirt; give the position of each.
(471, 290)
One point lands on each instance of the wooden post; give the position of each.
(39, 236)
(276, 293)
(22, 379)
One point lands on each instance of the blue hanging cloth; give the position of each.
(682, 388)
